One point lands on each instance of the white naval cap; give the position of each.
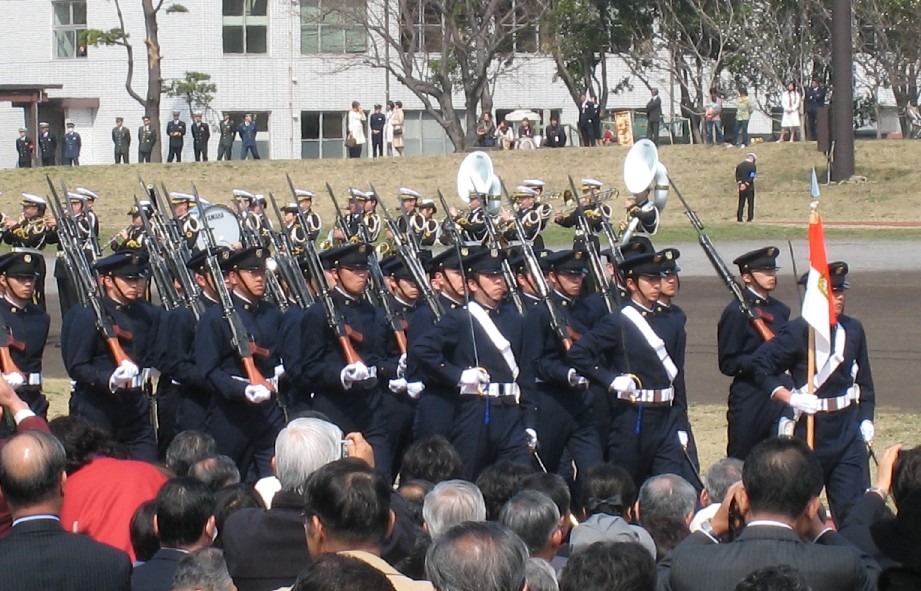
(303, 194)
(357, 193)
(522, 191)
(409, 194)
(30, 199)
(72, 196)
(592, 183)
(241, 194)
(87, 193)
(532, 183)
(259, 198)
(176, 197)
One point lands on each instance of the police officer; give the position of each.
(147, 139)
(47, 144)
(32, 231)
(26, 325)
(72, 145)
(201, 133)
(175, 131)
(845, 399)
(121, 139)
(483, 355)
(132, 237)
(25, 149)
(244, 418)
(228, 131)
(113, 395)
(752, 413)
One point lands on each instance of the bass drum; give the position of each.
(224, 224)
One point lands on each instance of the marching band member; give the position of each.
(132, 237)
(32, 231)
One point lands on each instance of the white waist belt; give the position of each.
(665, 396)
(840, 402)
(33, 379)
(496, 390)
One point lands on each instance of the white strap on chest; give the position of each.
(657, 344)
(835, 358)
(492, 332)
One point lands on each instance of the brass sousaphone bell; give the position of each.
(647, 180)
(476, 175)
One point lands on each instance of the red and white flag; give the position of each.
(818, 307)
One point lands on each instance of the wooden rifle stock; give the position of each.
(254, 376)
(348, 351)
(118, 354)
(762, 329)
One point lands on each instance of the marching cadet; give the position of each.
(592, 209)
(115, 397)
(752, 414)
(305, 203)
(32, 231)
(25, 148)
(27, 327)
(844, 401)
(243, 418)
(431, 229)
(481, 353)
(529, 294)
(132, 237)
(91, 216)
(346, 392)
(371, 219)
(472, 223)
(410, 217)
(625, 356)
(189, 225)
(533, 216)
(565, 418)
(351, 218)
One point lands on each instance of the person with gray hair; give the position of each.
(204, 570)
(477, 556)
(186, 449)
(717, 481)
(667, 495)
(452, 502)
(216, 472)
(541, 576)
(534, 517)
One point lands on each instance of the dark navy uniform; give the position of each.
(175, 132)
(752, 414)
(87, 226)
(33, 234)
(72, 145)
(201, 133)
(472, 224)
(244, 430)
(135, 233)
(48, 145)
(847, 398)
(25, 148)
(228, 131)
(121, 139)
(122, 411)
(27, 333)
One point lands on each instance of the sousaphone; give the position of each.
(476, 175)
(647, 180)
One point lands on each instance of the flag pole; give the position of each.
(810, 355)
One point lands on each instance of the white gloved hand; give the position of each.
(414, 389)
(353, 372)
(806, 403)
(473, 377)
(398, 385)
(532, 438)
(867, 430)
(786, 427)
(258, 393)
(401, 366)
(623, 383)
(14, 379)
(683, 439)
(576, 381)
(122, 376)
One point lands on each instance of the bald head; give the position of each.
(31, 467)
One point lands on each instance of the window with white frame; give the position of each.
(245, 26)
(421, 28)
(333, 26)
(69, 21)
(518, 20)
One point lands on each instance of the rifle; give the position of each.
(161, 274)
(284, 255)
(83, 278)
(372, 289)
(599, 274)
(492, 242)
(240, 338)
(250, 225)
(449, 225)
(341, 220)
(723, 271)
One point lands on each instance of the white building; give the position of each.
(262, 57)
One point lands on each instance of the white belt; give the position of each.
(139, 380)
(33, 379)
(840, 402)
(496, 390)
(664, 396)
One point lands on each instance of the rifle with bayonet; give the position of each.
(287, 264)
(169, 297)
(600, 276)
(492, 242)
(341, 220)
(372, 290)
(250, 229)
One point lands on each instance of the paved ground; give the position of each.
(884, 280)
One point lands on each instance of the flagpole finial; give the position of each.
(814, 204)
(814, 185)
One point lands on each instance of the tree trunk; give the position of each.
(154, 75)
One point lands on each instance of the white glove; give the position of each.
(258, 393)
(15, 379)
(353, 372)
(122, 376)
(867, 430)
(398, 385)
(683, 439)
(532, 438)
(576, 381)
(786, 427)
(806, 403)
(623, 383)
(279, 371)
(401, 366)
(472, 379)
(414, 389)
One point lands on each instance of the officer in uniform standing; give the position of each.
(844, 402)
(132, 237)
(27, 327)
(47, 144)
(752, 413)
(175, 131)
(121, 138)
(147, 139)
(228, 131)
(33, 232)
(243, 418)
(116, 397)
(247, 131)
(72, 145)
(25, 148)
(201, 133)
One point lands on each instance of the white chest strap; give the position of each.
(657, 344)
(834, 359)
(492, 332)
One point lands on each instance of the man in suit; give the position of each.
(377, 121)
(247, 131)
(72, 145)
(653, 116)
(175, 131)
(38, 553)
(48, 144)
(121, 137)
(587, 117)
(201, 133)
(228, 131)
(147, 139)
(184, 523)
(25, 148)
(773, 514)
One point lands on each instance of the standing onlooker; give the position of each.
(526, 136)
(397, 121)
(147, 139)
(713, 113)
(72, 145)
(588, 113)
(121, 137)
(743, 115)
(25, 148)
(376, 123)
(247, 131)
(201, 133)
(355, 140)
(790, 102)
(745, 177)
(175, 130)
(388, 128)
(486, 131)
(554, 135)
(225, 144)
(48, 144)
(815, 100)
(653, 116)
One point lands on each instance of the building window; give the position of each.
(421, 27)
(518, 19)
(246, 26)
(69, 22)
(322, 134)
(424, 135)
(263, 136)
(333, 26)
